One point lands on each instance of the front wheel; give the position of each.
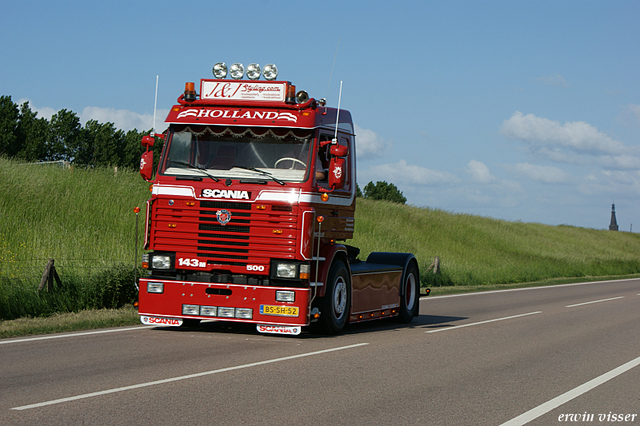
(410, 297)
(337, 299)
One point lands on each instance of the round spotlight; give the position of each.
(236, 71)
(220, 70)
(270, 72)
(253, 71)
(302, 97)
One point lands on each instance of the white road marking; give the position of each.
(482, 322)
(568, 396)
(188, 376)
(60, 336)
(550, 287)
(594, 301)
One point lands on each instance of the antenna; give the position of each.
(155, 104)
(335, 137)
(332, 66)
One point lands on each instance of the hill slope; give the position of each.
(84, 220)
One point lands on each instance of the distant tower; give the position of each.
(613, 226)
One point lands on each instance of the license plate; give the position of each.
(283, 311)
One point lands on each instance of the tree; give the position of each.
(32, 135)
(64, 131)
(384, 191)
(8, 126)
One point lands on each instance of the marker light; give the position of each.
(253, 71)
(220, 70)
(291, 94)
(236, 71)
(270, 72)
(189, 92)
(136, 210)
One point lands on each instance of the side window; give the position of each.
(347, 182)
(322, 161)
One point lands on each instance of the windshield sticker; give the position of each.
(236, 114)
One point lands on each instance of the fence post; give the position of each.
(48, 276)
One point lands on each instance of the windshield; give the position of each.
(238, 152)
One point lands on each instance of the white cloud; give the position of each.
(571, 142)
(553, 80)
(547, 174)
(122, 119)
(480, 172)
(402, 173)
(630, 115)
(369, 144)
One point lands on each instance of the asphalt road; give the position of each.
(539, 356)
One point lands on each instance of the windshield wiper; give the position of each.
(200, 169)
(264, 173)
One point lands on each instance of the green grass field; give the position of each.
(84, 220)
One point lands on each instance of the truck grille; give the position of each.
(250, 237)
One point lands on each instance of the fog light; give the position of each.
(285, 296)
(220, 70)
(208, 311)
(155, 287)
(270, 72)
(253, 71)
(226, 312)
(236, 71)
(190, 309)
(244, 313)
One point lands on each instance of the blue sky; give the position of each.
(520, 110)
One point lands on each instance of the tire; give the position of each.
(336, 302)
(410, 296)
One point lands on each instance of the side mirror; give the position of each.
(147, 141)
(336, 173)
(146, 165)
(336, 166)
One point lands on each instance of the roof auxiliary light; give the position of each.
(220, 70)
(270, 72)
(236, 71)
(253, 71)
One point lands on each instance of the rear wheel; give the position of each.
(337, 299)
(410, 299)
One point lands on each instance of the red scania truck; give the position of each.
(252, 201)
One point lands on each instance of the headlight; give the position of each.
(287, 270)
(190, 309)
(161, 262)
(155, 287)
